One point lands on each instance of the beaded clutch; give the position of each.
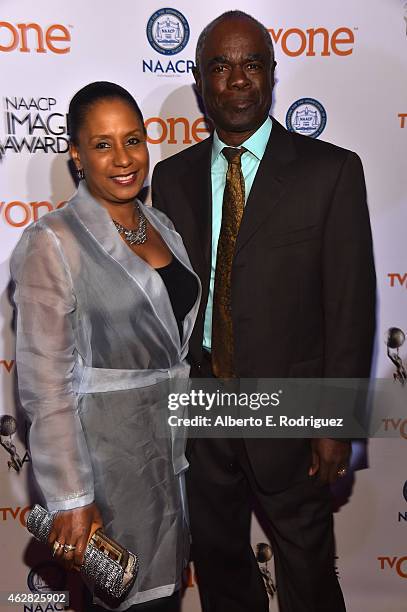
(106, 563)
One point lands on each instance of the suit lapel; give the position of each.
(196, 185)
(274, 174)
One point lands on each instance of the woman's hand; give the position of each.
(73, 527)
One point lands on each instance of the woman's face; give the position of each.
(112, 152)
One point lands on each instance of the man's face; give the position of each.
(236, 76)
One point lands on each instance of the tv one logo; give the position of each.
(6, 365)
(173, 130)
(32, 37)
(397, 280)
(21, 214)
(403, 119)
(396, 564)
(18, 514)
(314, 41)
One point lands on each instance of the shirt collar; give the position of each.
(256, 144)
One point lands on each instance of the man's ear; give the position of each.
(198, 80)
(273, 67)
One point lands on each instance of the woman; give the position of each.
(106, 301)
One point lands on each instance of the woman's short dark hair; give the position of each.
(84, 99)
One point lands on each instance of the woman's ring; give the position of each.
(68, 548)
(57, 545)
(342, 472)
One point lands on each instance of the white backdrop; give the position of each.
(350, 56)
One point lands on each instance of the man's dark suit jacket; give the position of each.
(303, 280)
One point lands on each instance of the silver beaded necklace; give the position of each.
(134, 236)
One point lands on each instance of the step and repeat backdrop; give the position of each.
(341, 77)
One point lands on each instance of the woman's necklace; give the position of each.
(134, 236)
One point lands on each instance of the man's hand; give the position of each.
(73, 527)
(328, 458)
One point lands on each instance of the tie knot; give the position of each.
(233, 155)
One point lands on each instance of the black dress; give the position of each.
(182, 289)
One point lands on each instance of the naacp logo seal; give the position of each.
(168, 31)
(46, 577)
(306, 116)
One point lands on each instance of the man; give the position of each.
(279, 234)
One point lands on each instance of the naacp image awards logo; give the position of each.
(46, 577)
(168, 31)
(8, 427)
(306, 116)
(395, 338)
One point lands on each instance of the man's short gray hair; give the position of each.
(231, 15)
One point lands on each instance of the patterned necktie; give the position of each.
(232, 211)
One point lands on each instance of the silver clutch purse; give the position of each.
(106, 564)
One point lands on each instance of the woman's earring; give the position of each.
(80, 174)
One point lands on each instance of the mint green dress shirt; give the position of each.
(255, 145)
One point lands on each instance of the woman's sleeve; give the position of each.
(45, 357)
